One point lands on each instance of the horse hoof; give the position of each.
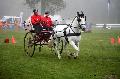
(71, 54)
(59, 57)
(75, 57)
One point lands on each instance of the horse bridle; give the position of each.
(73, 34)
(78, 19)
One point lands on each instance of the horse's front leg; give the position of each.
(77, 52)
(76, 47)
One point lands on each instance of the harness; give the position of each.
(70, 34)
(66, 35)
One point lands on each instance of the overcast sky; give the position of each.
(95, 10)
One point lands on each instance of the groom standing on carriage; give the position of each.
(41, 22)
(36, 21)
(47, 22)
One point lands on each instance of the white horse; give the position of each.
(69, 34)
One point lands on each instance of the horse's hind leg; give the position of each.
(56, 50)
(58, 53)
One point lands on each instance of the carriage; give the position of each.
(61, 36)
(33, 39)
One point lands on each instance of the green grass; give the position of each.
(98, 59)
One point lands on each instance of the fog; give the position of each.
(95, 10)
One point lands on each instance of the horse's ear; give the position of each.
(78, 14)
(81, 12)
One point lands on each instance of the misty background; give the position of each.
(95, 10)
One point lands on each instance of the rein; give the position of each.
(73, 20)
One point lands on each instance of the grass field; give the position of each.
(98, 59)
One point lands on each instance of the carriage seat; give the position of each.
(43, 31)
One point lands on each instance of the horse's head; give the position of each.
(81, 20)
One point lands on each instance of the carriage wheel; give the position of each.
(29, 44)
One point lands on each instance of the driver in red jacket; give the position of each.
(36, 21)
(47, 22)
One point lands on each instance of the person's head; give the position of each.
(35, 11)
(47, 13)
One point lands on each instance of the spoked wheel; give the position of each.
(29, 44)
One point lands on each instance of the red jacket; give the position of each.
(47, 21)
(35, 19)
